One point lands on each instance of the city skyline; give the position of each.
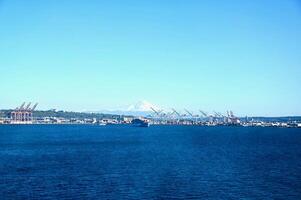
(96, 55)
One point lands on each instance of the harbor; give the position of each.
(25, 114)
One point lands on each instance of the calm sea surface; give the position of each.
(159, 162)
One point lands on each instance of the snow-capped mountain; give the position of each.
(141, 108)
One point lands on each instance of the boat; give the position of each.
(140, 123)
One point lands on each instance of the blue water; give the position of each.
(159, 162)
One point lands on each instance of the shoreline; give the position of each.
(130, 125)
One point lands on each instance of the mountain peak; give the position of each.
(141, 106)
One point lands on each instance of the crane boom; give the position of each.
(22, 106)
(176, 112)
(203, 113)
(189, 112)
(157, 113)
(34, 107)
(28, 105)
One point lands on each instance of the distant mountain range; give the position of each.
(141, 108)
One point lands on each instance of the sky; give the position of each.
(211, 55)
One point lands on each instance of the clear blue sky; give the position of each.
(210, 55)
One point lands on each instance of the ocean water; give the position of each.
(159, 162)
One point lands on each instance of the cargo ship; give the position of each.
(140, 123)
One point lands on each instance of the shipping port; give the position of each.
(25, 114)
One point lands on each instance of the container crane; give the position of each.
(156, 112)
(22, 106)
(179, 115)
